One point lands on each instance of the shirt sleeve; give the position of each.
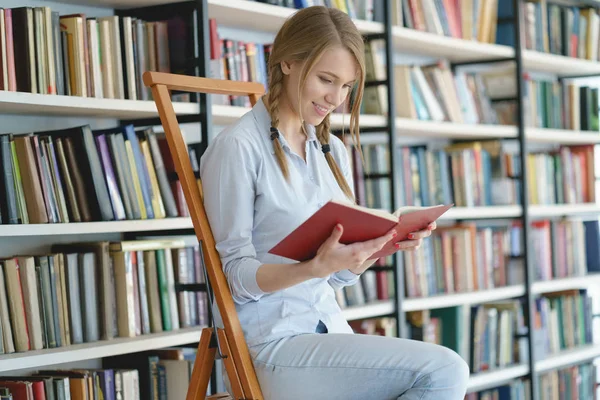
(228, 172)
(344, 277)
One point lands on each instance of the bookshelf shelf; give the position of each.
(561, 136)
(490, 379)
(121, 4)
(456, 299)
(565, 283)
(224, 115)
(43, 104)
(370, 310)
(482, 212)
(263, 17)
(81, 228)
(557, 64)
(100, 349)
(568, 357)
(456, 50)
(431, 129)
(558, 210)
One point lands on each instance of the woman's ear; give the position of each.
(286, 67)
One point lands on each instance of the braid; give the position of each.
(275, 86)
(323, 136)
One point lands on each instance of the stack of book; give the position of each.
(104, 57)
(85, 292)
(80, 175)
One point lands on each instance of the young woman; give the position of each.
(266, 174)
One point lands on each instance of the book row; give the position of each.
(469, 257)
(105, 57)
(456, 18)
(464, 258)
(486, 336)
(85, 292)
(158, 374)
(562, 320)
(371, 287)
(471, 174)
(436, 93)
(80, 175)
(577, 382)
(555, 28)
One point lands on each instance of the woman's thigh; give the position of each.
(348, 366)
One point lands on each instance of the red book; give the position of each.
(360, 224)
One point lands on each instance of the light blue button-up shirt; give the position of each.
(251, 207)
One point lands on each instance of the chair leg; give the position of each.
(203, 366)
(232, 374)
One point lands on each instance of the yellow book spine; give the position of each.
(157, 202)
(136, 179)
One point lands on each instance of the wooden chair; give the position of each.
(230, 341)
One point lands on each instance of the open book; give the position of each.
(360, 224)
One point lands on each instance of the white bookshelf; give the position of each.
(119, 4)
(494, 378)
(83, 228)
(569, 357)
(565, 283)
(369, 310)
(56, 105)
(456, 50)
(557, 64)
(482, 212)
(561, 136)
(457, 299)
(225, 115)
(559, 210)
(433, 129)
(100, 349)
(255, 16)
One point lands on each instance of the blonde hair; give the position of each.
(305, 36)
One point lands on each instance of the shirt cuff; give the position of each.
(347, 275)
(249, 286)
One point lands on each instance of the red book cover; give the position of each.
(360, 224)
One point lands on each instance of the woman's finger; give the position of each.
(409, 244)
(419, 234)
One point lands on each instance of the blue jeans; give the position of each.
(352, 366)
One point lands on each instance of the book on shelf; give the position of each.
(563, 29)
(487, 336)
(89, 291)
(359, 224)
(76, 55)
(161, 373)
(83, 175)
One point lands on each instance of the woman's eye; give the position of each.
(325, 80)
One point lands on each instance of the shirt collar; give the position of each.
(263, 120)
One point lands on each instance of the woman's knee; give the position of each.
(448, 369)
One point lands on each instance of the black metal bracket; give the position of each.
(563, 77)
(483, 62)
(375, 36)
(190, 287)
(376, 83)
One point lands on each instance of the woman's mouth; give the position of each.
(322, 111)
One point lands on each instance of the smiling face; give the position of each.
(327, 85)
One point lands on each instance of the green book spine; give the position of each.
(163, 289)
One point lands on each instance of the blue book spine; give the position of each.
(142, 168)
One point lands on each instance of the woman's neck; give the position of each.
(290, 125)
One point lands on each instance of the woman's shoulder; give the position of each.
(242, 135)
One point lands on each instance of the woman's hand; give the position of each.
(413, 243)
(334, 256)
(415, 239)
